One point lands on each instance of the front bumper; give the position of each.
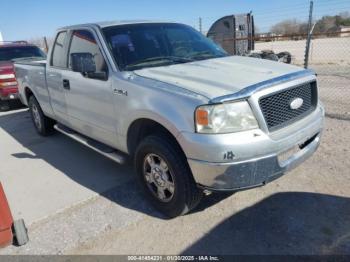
(255, 154)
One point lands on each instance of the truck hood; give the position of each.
(220, 76)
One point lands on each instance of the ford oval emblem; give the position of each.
(296, 103)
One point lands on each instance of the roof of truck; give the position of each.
(14, 43)
(113, 23)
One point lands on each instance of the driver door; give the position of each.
(90, 101)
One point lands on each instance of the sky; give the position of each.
(29, 19)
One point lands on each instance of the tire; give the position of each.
(20, 233)
(4, 105)
(272, 57)
(180, 192)
(285, 57)
(255, 55)
(43, 124)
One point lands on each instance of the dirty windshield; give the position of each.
(149, 45)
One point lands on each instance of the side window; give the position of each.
(241, 27)
(58, 57)
(83, 41)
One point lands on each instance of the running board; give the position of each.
(100, 148)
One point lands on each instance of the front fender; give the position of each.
(160, 102)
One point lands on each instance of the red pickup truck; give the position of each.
(10, 52)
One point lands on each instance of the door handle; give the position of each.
(66, 84)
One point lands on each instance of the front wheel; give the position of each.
(165, 176)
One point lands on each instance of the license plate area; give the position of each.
(286, 155)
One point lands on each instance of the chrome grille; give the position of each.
(277, 110)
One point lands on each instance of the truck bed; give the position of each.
(32, 73)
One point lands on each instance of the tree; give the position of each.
(289, 26)
(327, 24)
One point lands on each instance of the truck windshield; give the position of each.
(139, 46)
(15, 52)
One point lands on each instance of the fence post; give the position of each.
(309, 35)
(200, 24)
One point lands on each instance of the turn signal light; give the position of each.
(202, 117)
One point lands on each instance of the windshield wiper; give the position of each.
(171, 59)
(203, 55)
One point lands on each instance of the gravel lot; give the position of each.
(307, 211)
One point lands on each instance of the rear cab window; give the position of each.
(11, 53)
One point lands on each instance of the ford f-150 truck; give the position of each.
(192, 118)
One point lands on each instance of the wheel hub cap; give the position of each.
(36, 116)
(158, 177)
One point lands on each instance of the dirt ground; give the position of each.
(307, 211)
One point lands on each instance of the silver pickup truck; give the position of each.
(192, 118)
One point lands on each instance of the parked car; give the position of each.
(191, 117)
(9, 52)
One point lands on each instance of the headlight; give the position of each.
(225, 118)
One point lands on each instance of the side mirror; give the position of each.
(83, 63)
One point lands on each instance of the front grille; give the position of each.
(277, 110)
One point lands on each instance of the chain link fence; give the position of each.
(329, 57)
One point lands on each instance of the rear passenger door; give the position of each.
(90, 101)
(57, 64)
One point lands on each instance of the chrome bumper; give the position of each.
(256, 158)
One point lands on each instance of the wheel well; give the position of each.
(28, 93)
(142, 128)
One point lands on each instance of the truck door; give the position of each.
(89, 100)
(56, 64)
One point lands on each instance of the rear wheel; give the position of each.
(165, 176)
(43, 124)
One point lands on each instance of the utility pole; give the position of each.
(200, 25)
(309, 35)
